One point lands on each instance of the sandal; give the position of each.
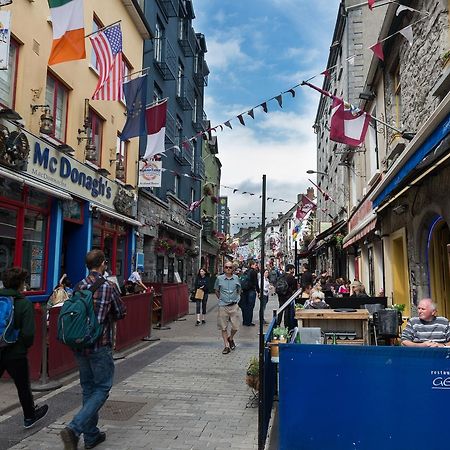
(226, 350)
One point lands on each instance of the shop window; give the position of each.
(160, 269)
(56, 96)
(96, 135)
(111, 237)
(171, 270)
(8, 77)
(73, 211)
(23, 235)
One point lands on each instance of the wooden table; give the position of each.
(330, 321)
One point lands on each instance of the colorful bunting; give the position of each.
(370, 3)
(279, 99)
(378, 50)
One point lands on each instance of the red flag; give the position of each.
(378, 50)
(348, 125)
(304, 207)
(196, 204)
(371, 3)
(155, 117)
(326, 73)
(325, 194)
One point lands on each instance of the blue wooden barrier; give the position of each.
(336, 397)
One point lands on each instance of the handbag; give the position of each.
(199, 294)
(59, 295)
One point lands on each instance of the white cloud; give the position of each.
(223, 54)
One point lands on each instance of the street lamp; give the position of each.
(314, 171)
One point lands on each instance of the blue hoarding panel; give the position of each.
(338, 397)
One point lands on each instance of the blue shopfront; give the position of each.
(54, 209)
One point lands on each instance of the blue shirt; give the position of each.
(229, 289)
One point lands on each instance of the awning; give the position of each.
(115, 215)
(34, 184)
(319, 241)
(361, 230)
(177, 230)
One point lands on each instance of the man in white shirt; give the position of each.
(136, 280)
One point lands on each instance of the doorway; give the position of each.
(438, 266)
(400, 278)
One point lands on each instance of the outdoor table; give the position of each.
(336, 322)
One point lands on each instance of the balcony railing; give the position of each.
(183, 154)
(185, 97)
(201, 75)
(187, 42)
(169, 7)
(199, 169)
(168, 64)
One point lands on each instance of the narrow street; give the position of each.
(176, 393)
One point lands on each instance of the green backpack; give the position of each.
(78, 326)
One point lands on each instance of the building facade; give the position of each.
(67, 183)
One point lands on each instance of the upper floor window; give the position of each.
(57, 97)
(121, 159)
(180, 76)
(157, 93)
(96, 25)
(397, 93)
(96, 135)
(194, 111)
(8, 77)
(159, 41)
(177, 185)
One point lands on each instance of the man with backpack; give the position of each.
(286, 285)
(93, 350)
(16, 337)
(250, 287)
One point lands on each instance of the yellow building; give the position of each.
(71, 183)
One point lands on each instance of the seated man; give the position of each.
(427, 330)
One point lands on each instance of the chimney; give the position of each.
(310, 193)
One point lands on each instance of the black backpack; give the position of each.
(282, 286)
(245, 281)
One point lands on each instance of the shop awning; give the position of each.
(34, 184)
(319, 240)
(177, 230)
(361, 230)
(116, 215)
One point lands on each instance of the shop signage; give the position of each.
(58, 170)
(178, 220)
(150, 173)
(222, 219)
(5, 35)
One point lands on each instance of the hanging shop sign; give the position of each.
(5, 36)
(150, 173)
(63, 172)
(222, 219)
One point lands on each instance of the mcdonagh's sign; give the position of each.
(60, 171)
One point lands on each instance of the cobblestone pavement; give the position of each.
(177, 393)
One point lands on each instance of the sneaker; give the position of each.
(232, 344)
(101, 437)
(226, 350)
(39, 413)
(197, 323)
(203, 321)
(69, 438)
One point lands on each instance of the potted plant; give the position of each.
(252, 375)
(400, 307)
(279, 336)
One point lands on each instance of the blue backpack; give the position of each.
(8, 335)
(78, 326)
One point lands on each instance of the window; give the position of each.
(159, 41)
(180, 77)
(57, 96)
(157, 93)
(8, 77)
(127, 70)
(397, 92)
(179, 136)
(96, 123)
(181, 28)
(177, 185)
(194, 111)
(121, 158)
(96, 25)
(111, 237)
(192, 195)
(23, 232)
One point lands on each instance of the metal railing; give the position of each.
(166, 62)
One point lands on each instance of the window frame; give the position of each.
(122, 145)
(53, 107)
(98, 120)
(13, 88)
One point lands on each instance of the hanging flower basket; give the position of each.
(180, 250)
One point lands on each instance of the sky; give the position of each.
(256, 50)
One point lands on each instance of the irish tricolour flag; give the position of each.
(68, 31)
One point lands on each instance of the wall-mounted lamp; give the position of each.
(86, 122)
(95, 212)
(310, 172)
(46, 119)
(90, 151)
(120, 170)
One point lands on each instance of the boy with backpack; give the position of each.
(85, 324)
(16, 337)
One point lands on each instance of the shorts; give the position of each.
(228, 314)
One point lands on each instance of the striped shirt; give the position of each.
(437, 330)
(108, 306)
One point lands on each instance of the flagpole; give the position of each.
(103, 28)
(145, 69)
(376, 5)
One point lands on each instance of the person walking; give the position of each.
(96, 365)
(248, 298)
(228, 290)
(290, 284)
(264, 289)
(13, 357)
(202, 283)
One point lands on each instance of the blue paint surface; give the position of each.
(363, 398)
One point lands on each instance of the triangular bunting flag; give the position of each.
(251, 114)
(403, 8)
(407, 32)
(264, 106)
(351, 60)
(378, 50)
(221, 127)
(228, 124)
(241, 119)
(370, 3)
(326, 73)
(292, 92)
(279, 99)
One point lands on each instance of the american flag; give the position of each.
(107, 45)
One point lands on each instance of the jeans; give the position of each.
(248, 299)
(96, 380)
(289, 314)
(201, 303)
(18, 370)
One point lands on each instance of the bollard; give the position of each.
(149, 338)
(116, 355)
(44, 384)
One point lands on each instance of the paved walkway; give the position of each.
(177, 393)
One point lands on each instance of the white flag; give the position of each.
(407, 32)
